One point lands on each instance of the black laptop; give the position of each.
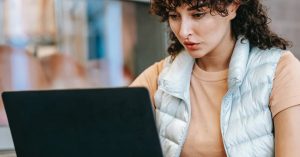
(112, 122)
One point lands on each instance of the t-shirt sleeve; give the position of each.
(286, 84)
(148, 79)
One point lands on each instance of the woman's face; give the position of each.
(201, 32)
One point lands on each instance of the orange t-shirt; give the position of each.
(206, 93)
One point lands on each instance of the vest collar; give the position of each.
(176, 80)
(238, 62)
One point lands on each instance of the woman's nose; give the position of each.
(185, 29)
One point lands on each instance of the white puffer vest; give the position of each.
(246, 120)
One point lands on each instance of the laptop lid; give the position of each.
(82, 122)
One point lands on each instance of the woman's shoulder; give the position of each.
(155, 68)
(148, 78)
(159, 65)
(285, 86)
(287, 62)
(287, 55)
(150, 74)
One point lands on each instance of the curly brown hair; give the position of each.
(251, 21)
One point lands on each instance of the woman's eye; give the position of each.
(198, 15)
(173, 16)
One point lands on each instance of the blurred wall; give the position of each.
(285, 20)
(1, 21)
(35, 28)
(151, 38)
(72, 28)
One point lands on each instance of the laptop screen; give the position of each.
(82, 122)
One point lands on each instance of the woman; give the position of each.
(229, 86)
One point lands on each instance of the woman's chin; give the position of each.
(196, 53)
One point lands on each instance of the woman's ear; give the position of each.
(232, 8)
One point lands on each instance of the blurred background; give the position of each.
(59, 44)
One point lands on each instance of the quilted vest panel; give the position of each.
(246, 121)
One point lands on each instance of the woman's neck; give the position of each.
(219, 58)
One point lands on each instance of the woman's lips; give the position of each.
(191, 46)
